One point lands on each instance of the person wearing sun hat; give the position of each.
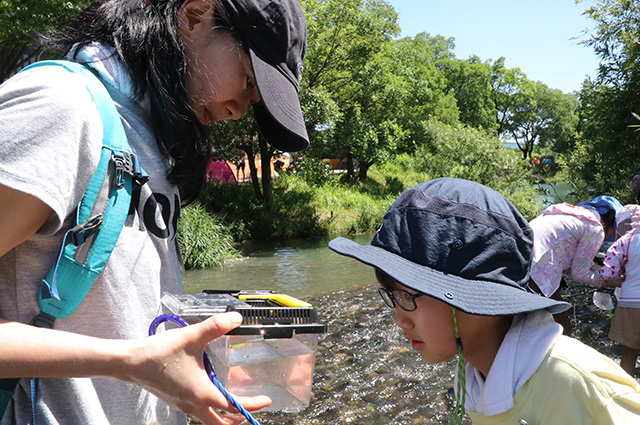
(453, 259)
(567, 239)
(172, 67)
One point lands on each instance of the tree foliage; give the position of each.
(369, 95)
(21, 24)
(470, 82)
(607, 153)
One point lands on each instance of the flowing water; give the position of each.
(365, 372)
(298, 268)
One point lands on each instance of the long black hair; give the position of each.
(146, 38)
(608, 220)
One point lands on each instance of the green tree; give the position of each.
(421, 85)
(21, 24)
(510, 89)
(530, 113)
(607, 152)
(470, 82)
(345, 67)
(546, 117)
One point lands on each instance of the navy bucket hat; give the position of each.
(457, 241)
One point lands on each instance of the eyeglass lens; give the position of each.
(405, 300)
(386, 297)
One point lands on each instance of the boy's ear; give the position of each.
(195, 16)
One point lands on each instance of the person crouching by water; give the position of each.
(453, 258)
(566, 240)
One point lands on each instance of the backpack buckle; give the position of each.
(123, 164)
(43, 320)
(128, 163)
(81, 232)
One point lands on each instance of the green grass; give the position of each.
(204, 241)
(308, 208)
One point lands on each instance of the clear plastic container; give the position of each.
(272, 353)
(280, 368)
(197, 307)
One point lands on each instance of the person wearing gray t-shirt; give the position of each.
(171, 67)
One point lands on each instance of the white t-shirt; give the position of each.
(50, 141)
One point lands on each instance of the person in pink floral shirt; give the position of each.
(623, 261)
(566, 239)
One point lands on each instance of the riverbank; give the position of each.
(305, 206)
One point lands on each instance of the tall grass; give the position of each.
(204, 241)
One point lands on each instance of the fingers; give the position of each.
(218, 325)
(253, 403)
(211, 416)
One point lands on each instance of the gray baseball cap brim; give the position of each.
(275, 34)
(278, 114)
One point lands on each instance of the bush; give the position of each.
(204, 241)
(467, 153)
(313, 171)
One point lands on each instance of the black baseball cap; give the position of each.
(275, 33)
(457, 241)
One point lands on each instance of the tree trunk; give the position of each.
(362, 171)
(251, 159)
(267, 186)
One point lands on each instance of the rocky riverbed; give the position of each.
(367, 374)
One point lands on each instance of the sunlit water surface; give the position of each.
(365, 373)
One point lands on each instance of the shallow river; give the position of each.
(298, 268)
(366, 373)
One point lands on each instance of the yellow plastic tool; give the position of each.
(282, 299)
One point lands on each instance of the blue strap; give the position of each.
(33, 383)
(101, 214)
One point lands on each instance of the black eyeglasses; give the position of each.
(399, 297)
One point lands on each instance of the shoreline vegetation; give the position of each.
(322, 204)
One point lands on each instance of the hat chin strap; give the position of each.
(461, 392)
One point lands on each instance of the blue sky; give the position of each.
(533, 35)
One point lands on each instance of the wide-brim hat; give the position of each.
(459, 242)
(628, 218)
(602, 204)
(275, 33)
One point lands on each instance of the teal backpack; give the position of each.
(100, 217)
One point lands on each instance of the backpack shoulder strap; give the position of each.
(100, 215)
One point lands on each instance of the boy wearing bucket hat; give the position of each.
(623, 261)
(172, 67)
(453, 259)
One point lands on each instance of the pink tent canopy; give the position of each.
(219, 171)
